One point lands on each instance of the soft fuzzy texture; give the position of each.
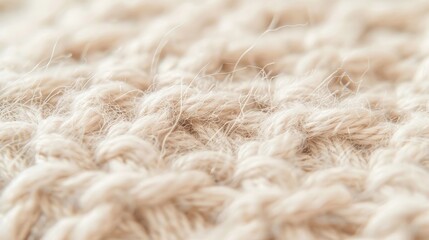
(223, 119)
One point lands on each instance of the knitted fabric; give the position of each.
(222, 119)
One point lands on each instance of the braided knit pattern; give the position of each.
(223, 119)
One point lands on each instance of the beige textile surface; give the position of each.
(223, 119)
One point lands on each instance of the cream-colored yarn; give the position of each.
(223, 119)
